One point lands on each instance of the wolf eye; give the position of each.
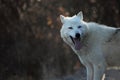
(70, 28)
(79, 26)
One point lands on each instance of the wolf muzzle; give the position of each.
(77, 41)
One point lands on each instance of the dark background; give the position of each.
(30, 43)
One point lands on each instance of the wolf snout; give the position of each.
(77, 35)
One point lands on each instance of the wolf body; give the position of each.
(96, 45)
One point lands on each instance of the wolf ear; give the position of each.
(80, 14)
(62, 18)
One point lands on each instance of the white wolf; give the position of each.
(97, 46)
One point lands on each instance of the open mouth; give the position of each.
(77, 42)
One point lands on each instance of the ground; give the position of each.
(81, 75)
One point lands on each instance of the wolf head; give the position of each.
(73, 30)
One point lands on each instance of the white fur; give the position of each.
(101, 48)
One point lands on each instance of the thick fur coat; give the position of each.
(96, 45)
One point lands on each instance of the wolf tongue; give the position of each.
(77, 44)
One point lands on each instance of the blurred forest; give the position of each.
(30, 43)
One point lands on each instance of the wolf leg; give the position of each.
(99, 71)
(90, 71)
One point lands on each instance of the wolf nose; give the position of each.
(77, 35)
